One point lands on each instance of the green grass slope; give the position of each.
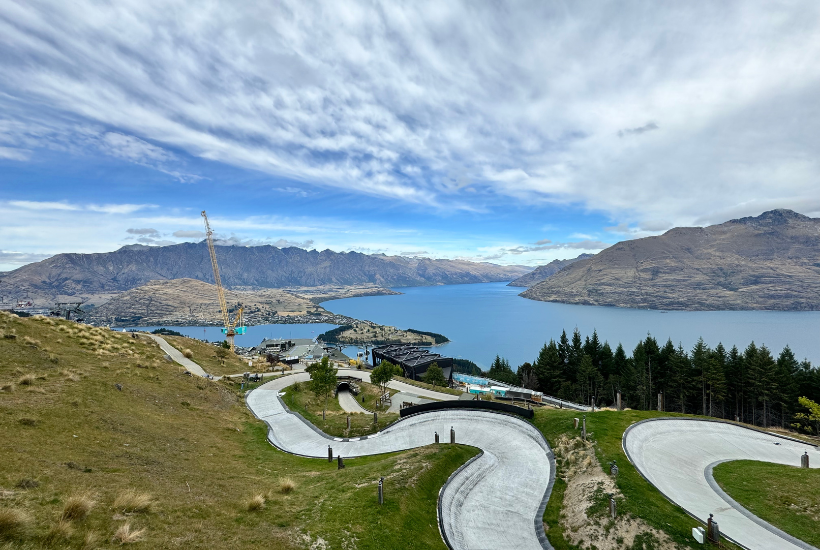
(786, 496)
(92, 418)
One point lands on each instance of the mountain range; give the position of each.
(769, 262)
(543, 272)
(241, 268)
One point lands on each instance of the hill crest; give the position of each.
(769, 262)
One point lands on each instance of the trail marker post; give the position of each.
(452, 435)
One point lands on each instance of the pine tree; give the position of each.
(716, 377)
(786, 375)
(548, 369)
(700, 363)
(680, 374)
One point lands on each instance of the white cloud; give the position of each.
(143, 231)
(14, 154)
(104, 208)
(12, 258)
(662, 113)
(189, 234)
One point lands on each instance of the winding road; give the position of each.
(677, 455)
(496, 501)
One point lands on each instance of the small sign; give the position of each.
(699, 534)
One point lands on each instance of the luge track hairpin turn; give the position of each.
(496, 501)
(676, 455)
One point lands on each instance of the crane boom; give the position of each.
(230, 329)
(222, 303)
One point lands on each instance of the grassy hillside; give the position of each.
(786, 496)
(92, 419)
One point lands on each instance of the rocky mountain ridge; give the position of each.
(241, 267)
(767, 262)
(542, 272)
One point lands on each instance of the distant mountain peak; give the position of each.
(768, 261)
(779, 216)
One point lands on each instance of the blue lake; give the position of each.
(254, 335)
(483, 320)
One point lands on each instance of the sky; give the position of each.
(510, 132)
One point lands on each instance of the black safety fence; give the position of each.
(480, 405)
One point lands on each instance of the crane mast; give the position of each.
(230, 329)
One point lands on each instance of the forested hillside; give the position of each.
(754, 384)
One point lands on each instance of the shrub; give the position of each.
(59, 532)
(26, 380)
(255, 503)
(27, 422)
(77, 507)
(124, 534)
(13, 522)
(188, 353)
(131, 501)
(286, 485)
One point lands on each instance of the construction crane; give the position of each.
(235, 326)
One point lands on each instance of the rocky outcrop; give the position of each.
(769, 262)
(543, 272)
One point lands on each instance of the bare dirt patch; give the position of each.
(585, 517)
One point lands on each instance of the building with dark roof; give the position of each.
(413, 360)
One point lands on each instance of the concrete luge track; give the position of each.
(677, 455)
(496, 501)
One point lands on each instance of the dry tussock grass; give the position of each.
(77, 507)
(7, 388)
(59, 532)
(255, 503)
(124, 534)
(26, 380)
(13, 522)
(90, 540)
(286, 485)
(133, 502)
(188, 353)
(27, 340)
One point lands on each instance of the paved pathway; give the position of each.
(676, 455)
(177, 356)
(401, 397)
(348, 402)
(495, 501)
